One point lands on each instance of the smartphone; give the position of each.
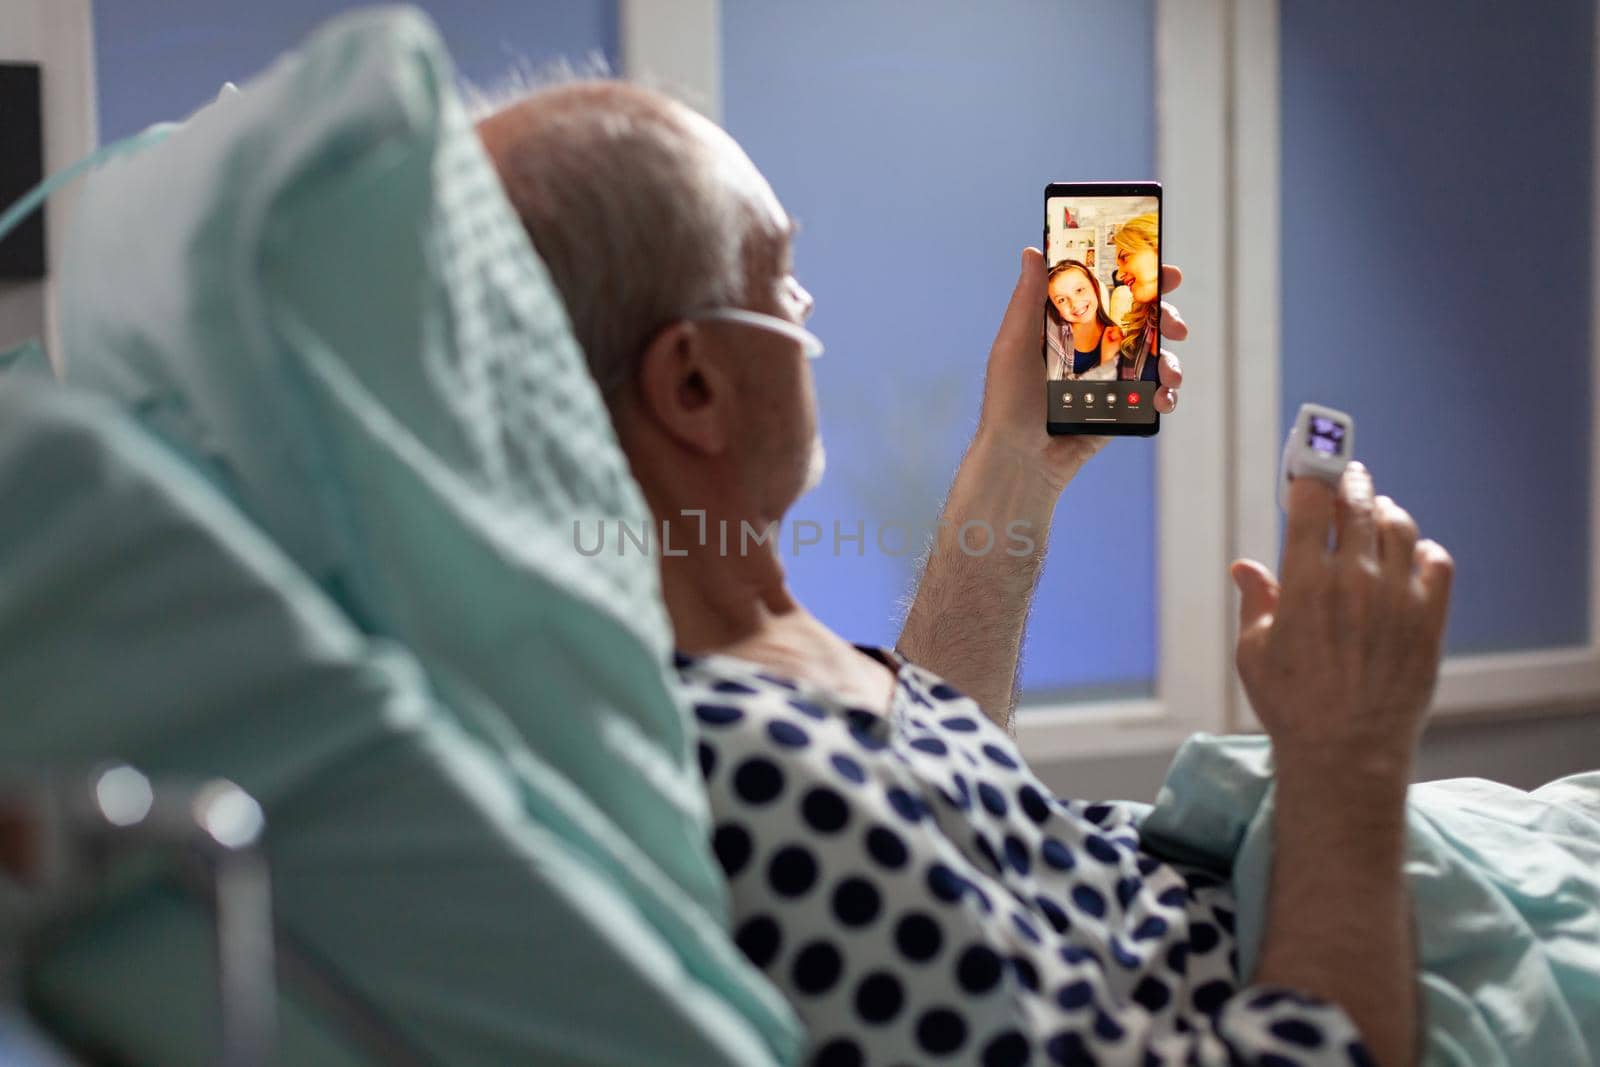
(1102, 315)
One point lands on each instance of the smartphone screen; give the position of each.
(1102, 316)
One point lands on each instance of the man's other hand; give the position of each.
(1014, 385)
(1340, 660)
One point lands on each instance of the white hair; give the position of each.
(630, 200)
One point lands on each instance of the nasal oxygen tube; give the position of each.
(1320, 445)
(16, 212)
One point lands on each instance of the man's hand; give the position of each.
(1340, 661)
(1013, 389)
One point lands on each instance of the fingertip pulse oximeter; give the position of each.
(1320, 445)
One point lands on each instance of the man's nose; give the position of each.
(807, 304)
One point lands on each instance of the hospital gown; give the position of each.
(921, 897)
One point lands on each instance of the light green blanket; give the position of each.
(1505, 886)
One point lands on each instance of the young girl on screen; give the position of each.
(1083, 341)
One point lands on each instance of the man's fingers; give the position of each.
(1435, 573)
(1258, 591)
(1171, 370)
(1305, 533)
(1397, 540)
(1023, 324)
(1171, 277)
(1171, 373)
(1172, 325)
(1356, 533)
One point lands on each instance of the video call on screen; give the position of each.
(1102, 307)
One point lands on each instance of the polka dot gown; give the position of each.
(920, 897)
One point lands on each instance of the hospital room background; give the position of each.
(1405, 233)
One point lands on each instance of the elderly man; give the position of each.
(894, 866)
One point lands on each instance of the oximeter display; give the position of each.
(1325, 435)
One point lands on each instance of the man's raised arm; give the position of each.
(971, 605)
(1339, 663)
(967, 618)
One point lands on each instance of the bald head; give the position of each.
(642, 209)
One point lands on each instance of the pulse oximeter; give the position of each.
(1320, 445)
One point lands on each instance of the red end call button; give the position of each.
(1133, 398)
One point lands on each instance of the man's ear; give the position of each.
(683, 390)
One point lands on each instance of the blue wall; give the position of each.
(1437, 176)
(913, 141)
(161, 59)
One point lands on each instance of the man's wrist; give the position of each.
(1369, 767)
(1368, 791)
(1020, 470)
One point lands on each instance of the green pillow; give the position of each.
(316, 291)
(143, 619)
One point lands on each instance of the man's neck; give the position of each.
(736, 602)
(723, 588)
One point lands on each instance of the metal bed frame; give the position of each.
(60, 836)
